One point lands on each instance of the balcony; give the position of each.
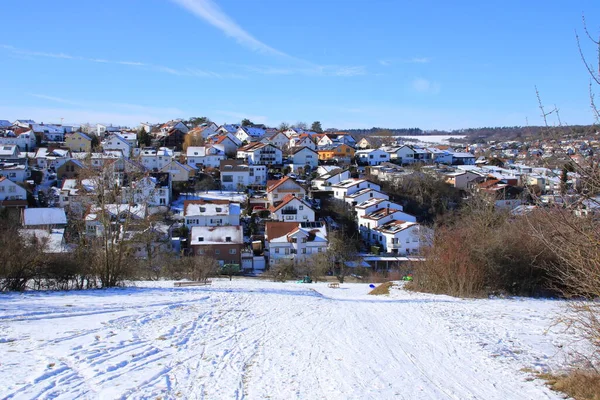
(394, 245)
(289, 211)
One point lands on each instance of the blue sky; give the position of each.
(347, 63)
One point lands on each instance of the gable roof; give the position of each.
(300, 148)
(287, 199)
(275, 184)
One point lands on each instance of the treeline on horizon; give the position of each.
(484, 133)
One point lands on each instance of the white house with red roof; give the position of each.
(294, 241)
(278, 190)
(292, 209)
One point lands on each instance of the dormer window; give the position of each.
(201, 239)
(228, 239)
(202, 209)
(219, 209)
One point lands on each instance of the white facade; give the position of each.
(278, 191)
(364, 195)
(260, 153)
(26, 141)
(350, 186)
(16, 172)
(206, 213)
(325, 181)
(398, 237)
(293, 209)
(305, 156)
(146, 191)
(115, 142)
(10, 190)
(156, 159)
(372, 156)
(239, 176)
(296, 242)
(207, 156)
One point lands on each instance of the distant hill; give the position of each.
(486, 133)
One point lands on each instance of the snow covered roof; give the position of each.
(44, 216)
(211, 207)
(4, 123)
(282, 232)
(395, 226)
(210, 235)
(53, 239)
(136, 211)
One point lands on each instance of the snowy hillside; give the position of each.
(256, 340)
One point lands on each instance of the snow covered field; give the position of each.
(251, 339)
(433, 139)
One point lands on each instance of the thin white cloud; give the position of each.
(193, 72)
(421, 85)
(54, 99)
(414, 60)
(211, 13)
(317, 70)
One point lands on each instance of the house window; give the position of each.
(232, 251)
(301, 208)
(12, 189)
(228, 239)
(201, 239)
(200, 251)
(303, 251)
(217, 251)
(276, 250)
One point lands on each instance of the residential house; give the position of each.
(260, 153)
(211, 213)
(440, 156)
(372, 157)
(204, 130)
(397, 237)
(223, 243)
(70, 169)
(350, 186)
(174, 138)
(237, 175)
(24, 139)
(102, 130)
(228, 128)
(363, 195)
(24, 123)
(131, 138)
(463, 159)
(96, 218)
(292, 208)
(175, 124)
(229, 142)
(9, 152)
(44, 218)
(16, 171)
(461, 179)
(5, 124)
(364, 143)
(154, 189)
(294, 241)
(179, 172)
(279, 140)
(304, 159)
(408, 154)
(205, 156)
(10, 191)
(78, 142)
(249, 133)
(46, 158)
(49, 133)
(303, 140)
(116, 142)
(341, 153)
(278, 190)
(325, 181)
(372, 205)
(154, 160)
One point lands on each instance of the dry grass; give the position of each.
(384, 288)
(580, 385)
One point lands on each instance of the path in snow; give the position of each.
(252, 339)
